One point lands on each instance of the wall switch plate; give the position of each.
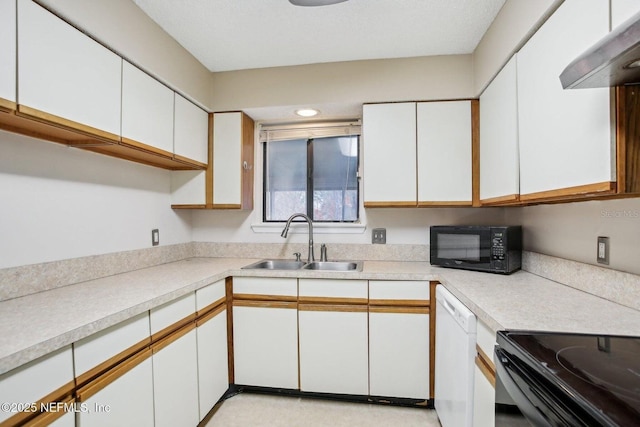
(379, 236)
(603, 250)
(155, 237)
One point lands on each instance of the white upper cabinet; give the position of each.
(564, 135)
(7, 54)
(64, 73)
(147, 110)
(232, 161)
(444, 153)
(191, 131)
(499, 162)
(389, 157)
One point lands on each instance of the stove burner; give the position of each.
(616, 372)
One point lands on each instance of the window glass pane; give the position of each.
(285, 179)
(335, 183)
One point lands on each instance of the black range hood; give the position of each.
(613, 61)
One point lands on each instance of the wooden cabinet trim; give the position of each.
(225, 206)
(398, 204)
(57, 121)
(7, 106)
(100, 369)
(486, 368)
(334, 308)
(260, 297)
(398, 309)
(210, 315)
(144, 147)
(62, 394)
(265, 304)
(400, 302)
(571, 193)
(333, 300)
(171, 338)
(450, 203)
(160, 335)
(110, 376)
(47, 418)
(486, 359)
(187, 161)
(507, 199)
(213, 306)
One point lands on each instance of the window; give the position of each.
(316, 176)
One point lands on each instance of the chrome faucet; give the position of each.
(310, 256)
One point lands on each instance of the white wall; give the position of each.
(58, 202)
(571, 230)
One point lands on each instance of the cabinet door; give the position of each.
(483, 400)
(444, 153)
(64, 73)
(147, 110)
(565, 135)
(399, 362)
(7, 54)
(232, 161)
(213, 370)
(334, 349)
(102, 350)
(389, 141)
(54, 374)
(265, 344)
(191, 139)
(175, 382)
(499, 162)
(126, 401)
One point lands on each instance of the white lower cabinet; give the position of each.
(334, 341)
(126, 401)
(175, 364)
(213, 366)
(399, 339)
(265, 332)
(484, 393)
(175, 383)
(50, 375)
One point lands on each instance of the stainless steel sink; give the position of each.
(275, 264)
(334, 266)
(282, 264)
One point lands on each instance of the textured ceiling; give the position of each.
(242, 34)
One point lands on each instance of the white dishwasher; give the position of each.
(455, 355)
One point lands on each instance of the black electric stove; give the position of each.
(564, 379)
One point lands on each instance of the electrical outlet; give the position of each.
(603, 250)
(379, 236)
(155, 237)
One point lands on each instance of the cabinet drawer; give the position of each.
(108, 346)
(209, 295)
(395, 292)
(171, 314)
(50, 376)
(333, 288)
(265, 286)
(485, 339)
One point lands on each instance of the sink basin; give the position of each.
(275, 264)
(334, 266)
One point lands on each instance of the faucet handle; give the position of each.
(323, 252)
(298, 255)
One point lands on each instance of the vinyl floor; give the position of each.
(248, 409)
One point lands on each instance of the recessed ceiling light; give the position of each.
(314, 2)
(632, 64)
(307, 112)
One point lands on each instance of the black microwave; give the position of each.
(496, 249)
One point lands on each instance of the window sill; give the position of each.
(318, 228)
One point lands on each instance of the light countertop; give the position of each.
(34, 325)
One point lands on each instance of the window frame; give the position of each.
(309, 183)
